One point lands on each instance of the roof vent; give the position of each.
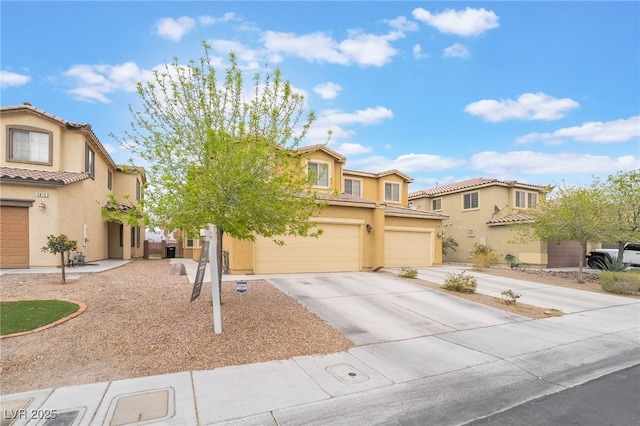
(27, 104)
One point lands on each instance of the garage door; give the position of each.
(14, 237)
(336, 250)
(410, 247)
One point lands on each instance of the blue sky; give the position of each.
(541, 92)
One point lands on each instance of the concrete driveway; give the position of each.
(374, 307)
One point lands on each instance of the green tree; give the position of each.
(622, 192)
(574, 214)
(219, 155)
(60, 244)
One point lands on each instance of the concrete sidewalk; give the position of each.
(450, 377)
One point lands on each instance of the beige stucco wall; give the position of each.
(73, 209)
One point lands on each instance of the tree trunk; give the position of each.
(621, 250)
(219, 235)
(64, 280)
(584, 250)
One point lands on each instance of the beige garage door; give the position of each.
(336, 250)
(407, 248)
(14, 237)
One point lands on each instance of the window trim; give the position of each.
(471, 206)
(11, 129)
(433, 201)
(523, 204)
(315, 183)
(384, 191)
(353, 180)
(109, 179)
(533, 195)
(138, 189)
(89, 160)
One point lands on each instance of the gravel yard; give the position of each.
(139, 322)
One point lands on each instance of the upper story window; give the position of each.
(138, 190)
(29, 146)
(319, 173)
(109, 179)
(353, 187)
(436, 204)
(470, 201)
(392, 192)
(90, 161)
(526, 199)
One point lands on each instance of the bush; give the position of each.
(483, 257)
(615, 265)
(461, 283)
(619, 282)
(408, 272)
(510, 297)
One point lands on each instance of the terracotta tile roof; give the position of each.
(320, 147)
(10, 174)
(345, 198)
(511, 218)
(385, 173)
(407, 212)
(471, 183)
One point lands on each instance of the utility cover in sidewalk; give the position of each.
(141, 407)
(347, 374)
(64, 418)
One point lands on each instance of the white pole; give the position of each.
(215, 288)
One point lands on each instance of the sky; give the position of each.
(545, 93)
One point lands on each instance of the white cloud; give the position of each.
(94, 82)
(528, 162)
(403, 24)
(407, 163)
(456, 51)
(336, 121)
(360, 49)
(12, 79)
(529, 106)
(468, 22)
(211, 20)
(328, 90)
(251, 57)
(594, 131)
(174, 29)
(417, 52)
(347, 149)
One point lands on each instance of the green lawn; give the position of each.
(26, 315)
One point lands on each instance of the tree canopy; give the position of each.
(221, 154)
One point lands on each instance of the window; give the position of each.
(533, 200)
(109, 179)
(90, 161)
(319, 174)
(520, 199)
(138, 190)
(189, 242)
(133, 236)
(29, 146)
(138, 236)
(470, 201)
(392, 192)
(436, 204)
(353, 187)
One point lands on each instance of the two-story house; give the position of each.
(481, 211)
(55, 177)
(367, 225)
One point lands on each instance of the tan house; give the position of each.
(55, 177)
(481, 211)
(367, 225)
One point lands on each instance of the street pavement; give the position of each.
(422, 357)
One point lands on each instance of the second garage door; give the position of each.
(407, 247)
(336, 250)
(14, 237)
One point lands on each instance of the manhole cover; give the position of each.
(64, 418)
(347, 374)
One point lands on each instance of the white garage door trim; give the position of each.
(410, 257)
(338, 249)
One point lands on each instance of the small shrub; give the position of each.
(448, 243)
(615, 265)
(619, 282)
(408, 272)
(483, 257)
(510, 297)
(461, 283)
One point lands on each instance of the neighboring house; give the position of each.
(367, 225)
(481, 211)
(55, 177)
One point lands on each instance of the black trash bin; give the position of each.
(171, 252)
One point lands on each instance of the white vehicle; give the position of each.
(598, 259)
